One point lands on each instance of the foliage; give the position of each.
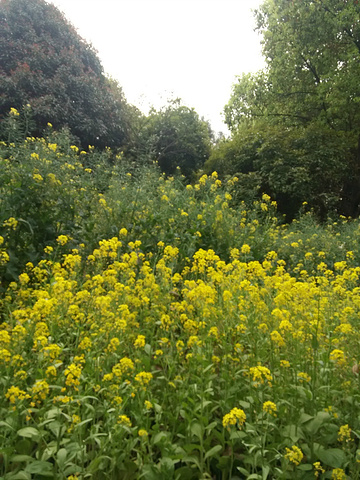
(45, 63)
(174, 137)
(309, 92)
(159, 332)
(288, 164)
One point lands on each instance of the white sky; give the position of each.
(160, 49)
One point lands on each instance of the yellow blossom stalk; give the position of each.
(294, 455)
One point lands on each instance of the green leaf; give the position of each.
(192, 459)
(61, 457)
(167, 465)
(56, 428)
(293, 432)
(243, 471)
(211, 426)
(213, 451)
(305, 467)
(265, 472)
(197, 430)
(7, 425)
(159, 437)
(22, 475)
(332, 457)
(320, 419)
(237, 435)
(40, 468)
(30, 432)
(21, 458)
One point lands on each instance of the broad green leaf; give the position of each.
(30, 432)
(197, 430)
(332, 457)
(305, 467)
(211, 426)
(213, 451)
(237, 435)
(318, 421)
(265, 472)
(293, 432)
(159, 437)
(40, 468)
(21, 458)
(22, 475)
(61, 456)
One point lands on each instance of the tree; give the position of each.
(310, 89)
(173, 136)
(45, 63)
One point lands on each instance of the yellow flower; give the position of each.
(270, 407)
(73, 373)
(277, 339)
(11, 223)
(338, 357)
(344, 433)
(37, 177)
(142, 433)
(86, 344)
(284, 363)
(260, 374)
(302, 376)
(62, 240)
(148, 405)
(245, 249)
(21, 374)
(338, 474)
(124, 420)
(236, 416)
(318, 469)
(52, 146)
(51, 371)
(40, 390)
(143, 378)
(14, 112)
(14, 393)
(294, 455)
(140, 341)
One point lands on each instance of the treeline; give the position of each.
(295, 126)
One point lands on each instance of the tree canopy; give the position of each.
(309, 93)
(173, 136)
(45, 63)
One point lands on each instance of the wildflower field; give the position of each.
(153, 329)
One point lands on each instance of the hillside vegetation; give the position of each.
(156, 329)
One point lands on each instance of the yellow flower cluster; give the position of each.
(235, 417)
(294, 455)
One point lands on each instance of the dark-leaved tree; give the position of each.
(45, 63)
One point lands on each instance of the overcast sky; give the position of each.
(160, 49)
